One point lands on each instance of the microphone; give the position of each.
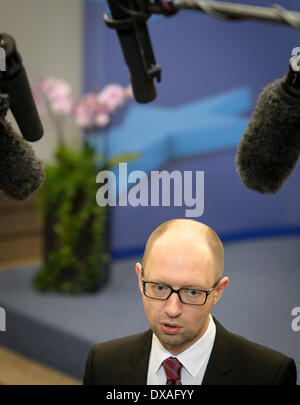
(14, 82)
(269, 148)
(21, 172)
(129, 19)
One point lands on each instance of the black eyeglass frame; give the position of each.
(207, 292)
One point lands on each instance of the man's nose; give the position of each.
(173, 306)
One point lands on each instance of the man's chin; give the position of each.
(169, 339)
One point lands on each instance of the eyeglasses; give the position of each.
(190, 296)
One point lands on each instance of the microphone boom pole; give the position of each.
(229, 11)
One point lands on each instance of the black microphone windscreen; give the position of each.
(270, 146)
(21, 172)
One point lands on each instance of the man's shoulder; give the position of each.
(267, 365)
(102, 358)
(242, 346)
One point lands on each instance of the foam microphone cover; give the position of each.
(270, 146)
(21, 172)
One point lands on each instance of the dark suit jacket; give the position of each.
(234, 360)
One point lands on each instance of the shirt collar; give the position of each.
(200, 350)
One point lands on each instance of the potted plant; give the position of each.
(75, 249)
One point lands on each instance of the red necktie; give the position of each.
(172, 368)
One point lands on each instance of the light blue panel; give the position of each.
(163, 134)
(176, 146)
(204, 125)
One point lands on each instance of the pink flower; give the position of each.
(112, 97)
(57, 93)
(83, 119)
(101, 120)
(84, 110)
(54, 88)
(92, 109)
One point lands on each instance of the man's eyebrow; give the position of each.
(198, 287)
(157, 281)
(189, 285)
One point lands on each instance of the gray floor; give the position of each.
(58, 329)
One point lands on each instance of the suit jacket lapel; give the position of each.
(136, 373)
(218, 367)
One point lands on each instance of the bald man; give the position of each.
(180, 280)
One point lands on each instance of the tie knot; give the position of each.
(172, 368)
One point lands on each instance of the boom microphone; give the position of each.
(270, 146)
(129, 19)
(21, 172)
(14, 82)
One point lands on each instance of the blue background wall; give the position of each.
(212, 74)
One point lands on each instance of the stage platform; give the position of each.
(58, 329)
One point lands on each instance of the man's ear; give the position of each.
(220, 289)
(138, 269)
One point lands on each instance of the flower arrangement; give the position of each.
(91, 111)
(76, 253)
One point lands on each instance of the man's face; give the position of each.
(179, 262)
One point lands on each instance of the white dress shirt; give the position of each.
(194, 359)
